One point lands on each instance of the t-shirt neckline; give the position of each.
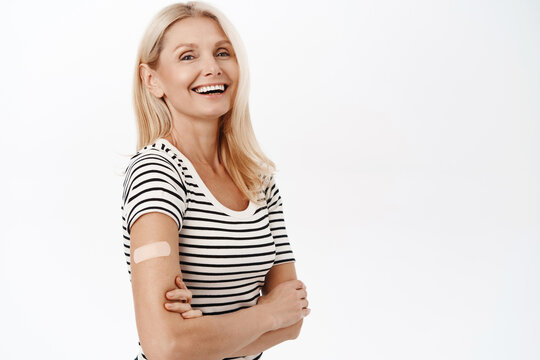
(247, 212)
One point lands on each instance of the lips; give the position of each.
(200, 86)
(216, 94)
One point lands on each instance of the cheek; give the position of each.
(184, 82)
(232, 71)
(179, 81)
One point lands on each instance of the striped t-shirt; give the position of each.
(224, 254)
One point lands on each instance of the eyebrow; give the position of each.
(195, 45)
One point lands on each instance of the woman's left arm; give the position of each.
(275, 276)
(270, 339)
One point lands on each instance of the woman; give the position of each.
(202, 216)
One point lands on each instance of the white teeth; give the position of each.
(209, 88)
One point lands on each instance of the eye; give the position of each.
(184, 57)
(224, 52)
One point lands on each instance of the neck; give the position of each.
(197, 139)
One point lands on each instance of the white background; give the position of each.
(406, 134)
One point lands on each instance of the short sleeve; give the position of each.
(274, 203)
(153, 184)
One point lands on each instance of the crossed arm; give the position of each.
(276, 275)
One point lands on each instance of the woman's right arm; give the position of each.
(165, 335)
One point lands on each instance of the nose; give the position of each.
(211, 66)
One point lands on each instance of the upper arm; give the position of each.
(154, 207)
(276, 219)
(278, 274)
(151, 279)
(275, 276)
(283, 269)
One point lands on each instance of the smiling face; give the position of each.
(197, 52)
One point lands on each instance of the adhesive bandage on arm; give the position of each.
(150, 251)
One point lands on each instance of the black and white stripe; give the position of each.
(224, 254)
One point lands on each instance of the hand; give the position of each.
(183, 303)
(287, 303)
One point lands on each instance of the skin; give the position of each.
(195, 133)
(195, 117)
(181, 297)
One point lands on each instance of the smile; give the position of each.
(211, 91)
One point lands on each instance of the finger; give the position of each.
(180, 283)
(178, 307)
(179, 294)
(191, 314)
(178, 278)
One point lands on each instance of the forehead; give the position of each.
(200, 31)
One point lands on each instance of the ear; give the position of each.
(150, 80)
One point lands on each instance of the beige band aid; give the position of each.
(150, 251)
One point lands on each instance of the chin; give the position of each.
(211, 116)
(214, 114)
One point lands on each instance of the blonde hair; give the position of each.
(238, 148)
